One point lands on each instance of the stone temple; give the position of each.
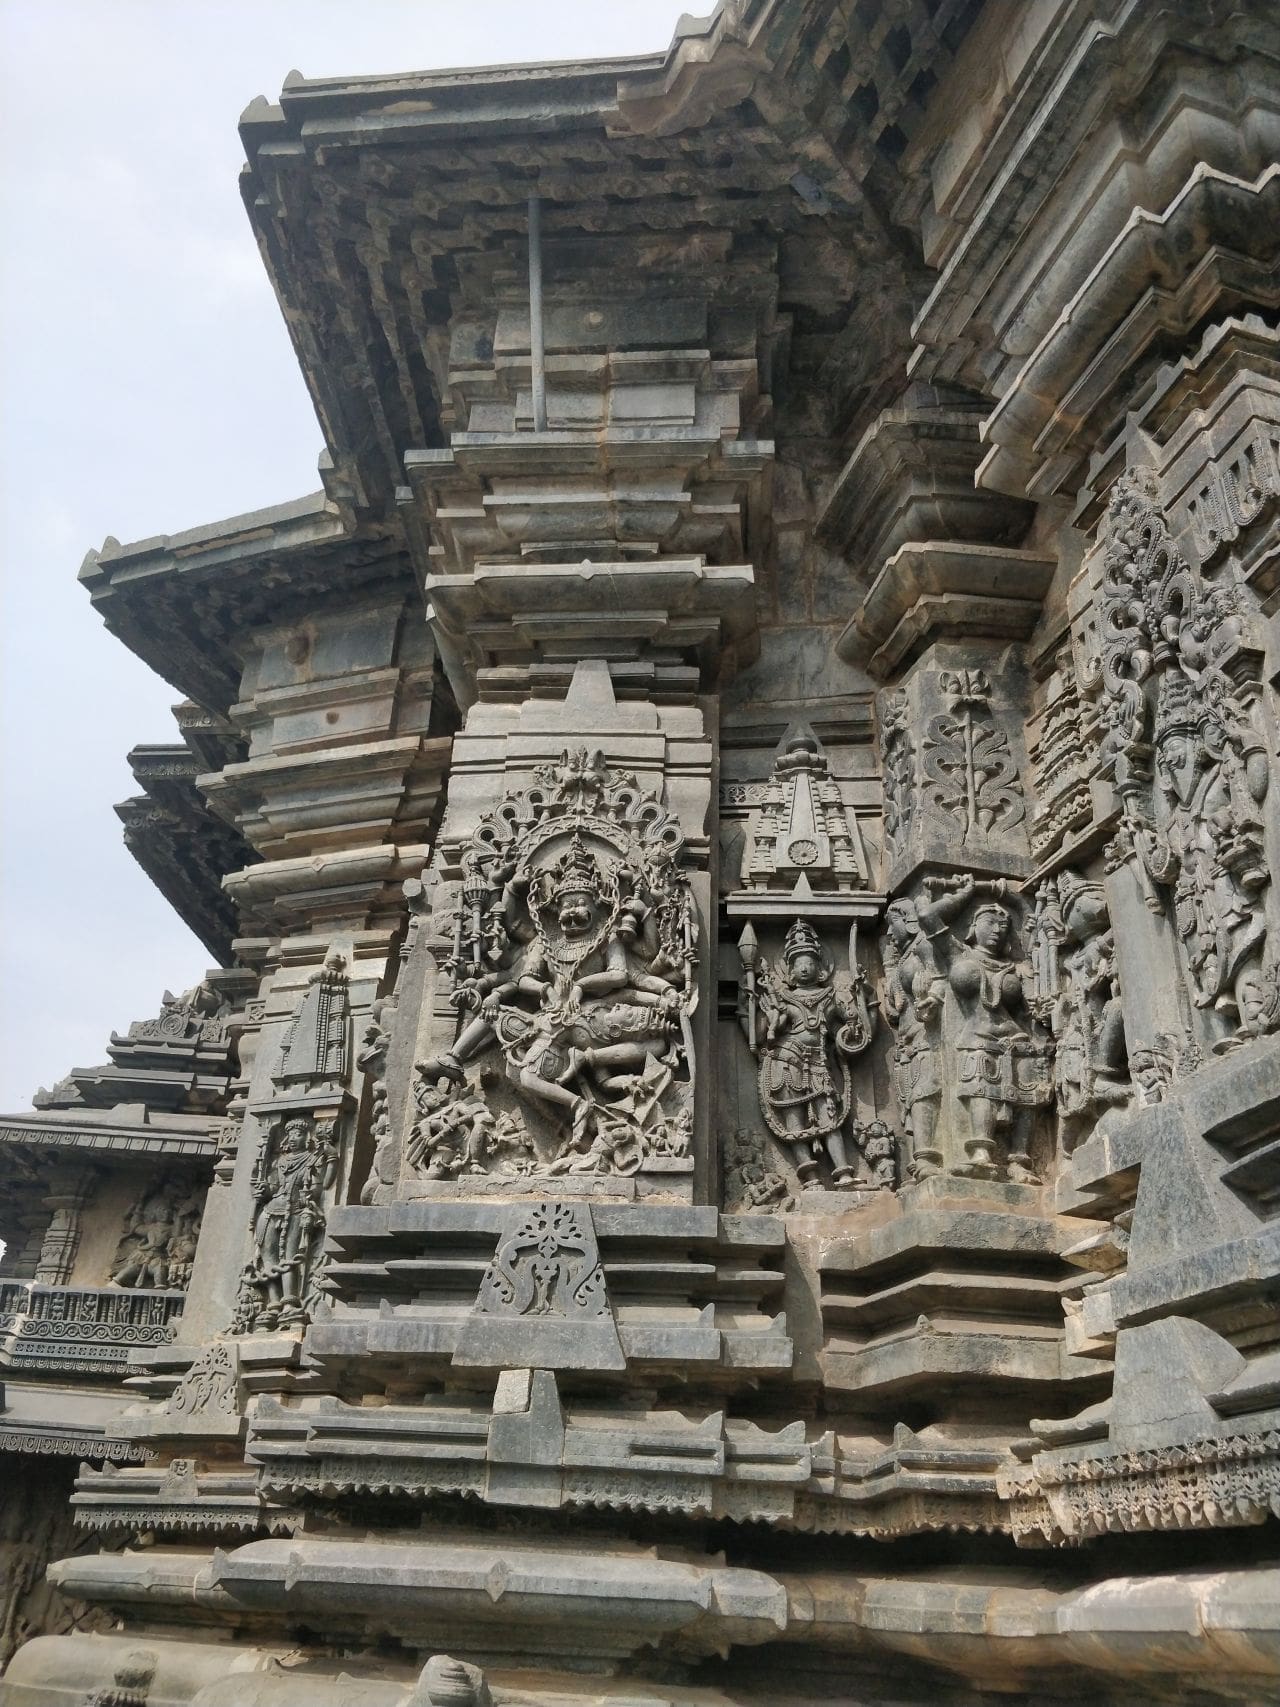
(731, 1152)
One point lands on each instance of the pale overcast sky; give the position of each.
(148, 386)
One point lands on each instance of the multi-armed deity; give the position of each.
(573, 955)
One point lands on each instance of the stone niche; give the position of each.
(563, 975)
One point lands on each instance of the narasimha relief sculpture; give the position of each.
(574, 944)
(731, 1147)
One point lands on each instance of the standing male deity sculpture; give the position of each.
(803, 1032)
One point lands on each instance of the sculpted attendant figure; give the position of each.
(915, 985)
(1078, 997)
(1001, 1066)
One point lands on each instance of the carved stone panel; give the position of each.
(210, 1388)
(571, 960)
(1187, 745)
(805, 1025)
(952, 760)
(543, 1302)
(802, 838)
(158, 1243)
(971, 1062)
(292, 1178)
(316, 1048)
(1077, 995)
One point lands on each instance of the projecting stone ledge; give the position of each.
(507, 1603)
(497, 1597)
(933, 590)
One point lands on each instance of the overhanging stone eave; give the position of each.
(147, 591)
(289, 151)
(488, 94)
(179, 1136)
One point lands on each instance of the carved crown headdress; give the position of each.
(801, 939)
(577, 871)
(1179, 709)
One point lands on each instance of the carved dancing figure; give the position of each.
(577, 963)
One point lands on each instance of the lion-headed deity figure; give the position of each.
(574, 953)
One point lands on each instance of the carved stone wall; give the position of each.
(755, 1025)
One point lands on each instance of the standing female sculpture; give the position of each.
(1001, 1066)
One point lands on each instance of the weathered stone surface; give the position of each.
(741, 829)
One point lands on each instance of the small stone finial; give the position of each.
(446, 1682)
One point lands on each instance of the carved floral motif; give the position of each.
(898, 759)
(209, 1385)
(970, 779)
(549, 1265)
